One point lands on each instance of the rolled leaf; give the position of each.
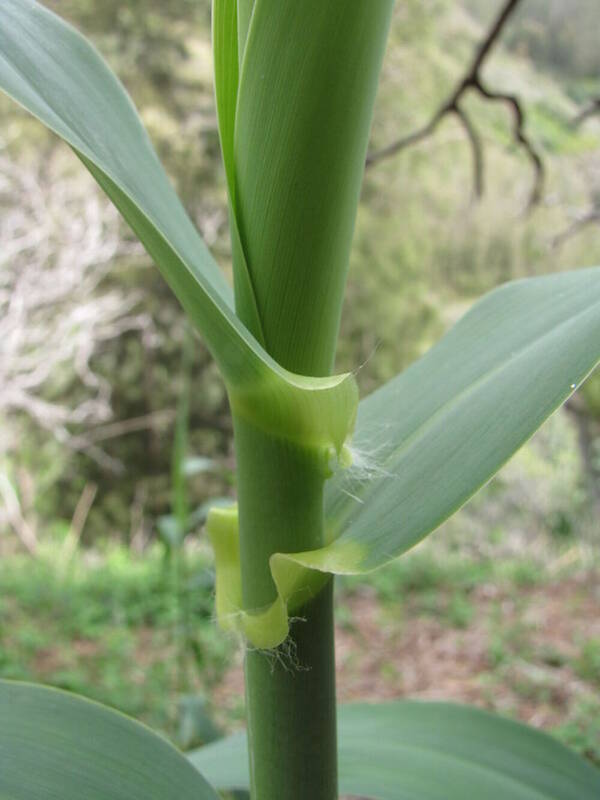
(54, 745)
(225, 50)
(244, 14)
(307, 87)
(431, 751)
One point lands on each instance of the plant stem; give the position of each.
(290, 692)
(302, 119)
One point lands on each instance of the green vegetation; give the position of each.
(318, 494)
(107, 625)
(587, 664)
(418, 275)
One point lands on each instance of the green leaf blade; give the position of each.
(412, 750)
(56, 746)
(448, 751)
(225, 49)
(428, 440)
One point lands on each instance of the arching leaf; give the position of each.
(53, 72)
(57, 746)
(431, 751)
(429, 439)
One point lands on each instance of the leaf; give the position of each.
(56, 746)
(294, 122)
(431, 751)
(225, 14)
(225, 55)
(244, 13)
(429, 439)
(54, 73)
(307, 86)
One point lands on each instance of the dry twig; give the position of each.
(472, 80)
(80, 515)
(589, 111)
(581, 221)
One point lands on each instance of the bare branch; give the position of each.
(472, 81)
(407, 141)
(492, 36)
(154, 420)
(12, 515)
(80, 515)
(476, 149)
(591, 217)
(589, 111)
(520, 137)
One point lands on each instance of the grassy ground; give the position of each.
(498, 634)
(509, 634)
(501, 608)
(113, 626)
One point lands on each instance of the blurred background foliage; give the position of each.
(114, 597)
